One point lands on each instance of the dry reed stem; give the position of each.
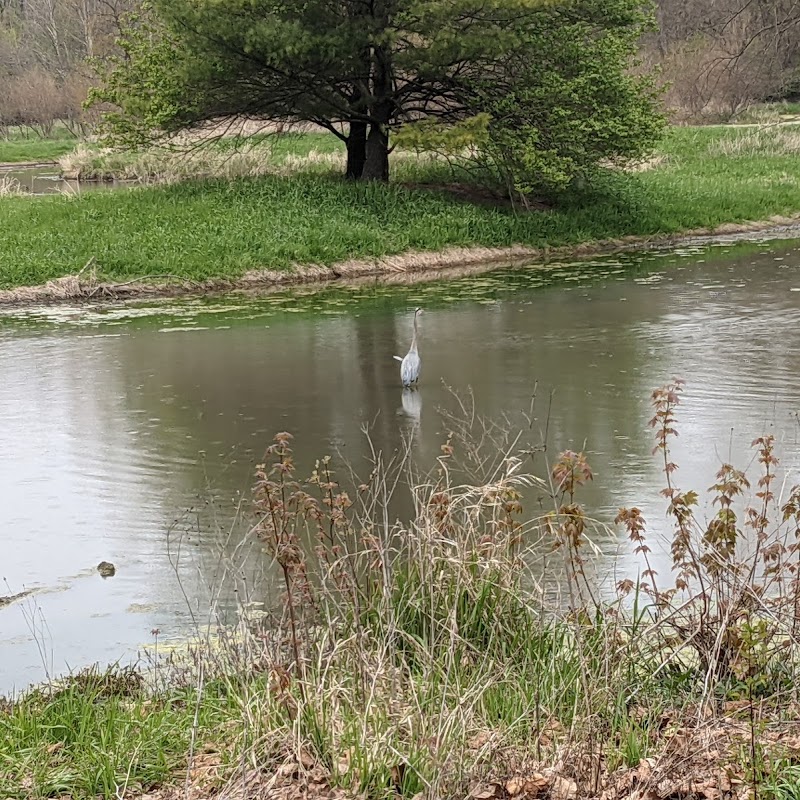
(402, 268)
(10, 186)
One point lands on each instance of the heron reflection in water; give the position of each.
(410, 365)
(412, 404)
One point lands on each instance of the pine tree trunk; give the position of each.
(356, 150)
(376, 165)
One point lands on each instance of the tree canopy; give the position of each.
(549, 81)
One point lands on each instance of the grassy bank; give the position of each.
(221, 228)
(419, 660)
(25, 146)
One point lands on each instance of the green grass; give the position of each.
(25, 146)
(101, 731)
(220, 228)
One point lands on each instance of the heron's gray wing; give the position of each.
(409, 369)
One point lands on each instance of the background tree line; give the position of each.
(717, 57)
(547, 79)
(46, 47)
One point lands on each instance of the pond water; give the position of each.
(45, 179)
(130, 432)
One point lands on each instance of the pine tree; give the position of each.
(365, 68)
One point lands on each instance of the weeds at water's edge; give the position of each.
(418, 657)
(9, 186)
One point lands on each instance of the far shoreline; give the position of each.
(406, 268)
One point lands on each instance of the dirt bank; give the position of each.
(12, 165)
(402, 268)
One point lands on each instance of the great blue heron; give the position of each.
(410, 365)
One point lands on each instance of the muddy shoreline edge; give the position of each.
(409, 267)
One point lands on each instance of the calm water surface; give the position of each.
(45, 179)
(129, 433)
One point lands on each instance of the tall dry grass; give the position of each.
(767, 140)
(203, 160)
(10, 186)
(87, 162)
(420, 657)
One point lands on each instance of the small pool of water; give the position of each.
(45, 179)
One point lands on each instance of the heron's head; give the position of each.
(417, 311)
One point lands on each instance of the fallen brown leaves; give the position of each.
(699, 758)
(648, 782)
(705, 758)
(204, 769)
(528, 787)
(299, 777)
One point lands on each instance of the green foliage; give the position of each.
(486, 613)
(551, 74)
(147, 85)
(575, 104)
(184, 62)
(783, 783)
(452, 139)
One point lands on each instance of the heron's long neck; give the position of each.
(414, 338)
